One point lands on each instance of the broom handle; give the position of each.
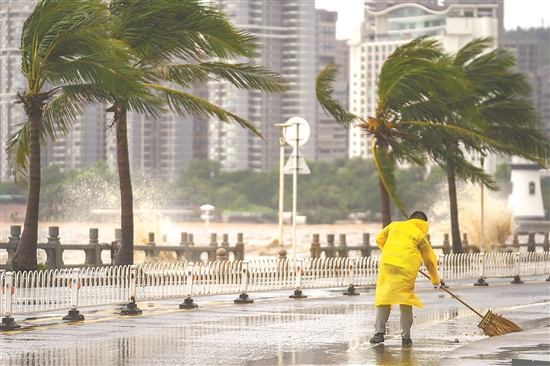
(456, 297)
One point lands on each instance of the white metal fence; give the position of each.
(42, 291)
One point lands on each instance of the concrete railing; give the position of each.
(342, 248)
(186, 251)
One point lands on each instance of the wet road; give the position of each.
(327, 328)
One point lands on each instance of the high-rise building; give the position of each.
(332, 138)
(12, 16)
(389, 24)
(286, 30)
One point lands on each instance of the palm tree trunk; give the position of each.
(385, 204)
(125, 254)
(25, 258)
(453, 203)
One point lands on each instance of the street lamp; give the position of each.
(282, 142)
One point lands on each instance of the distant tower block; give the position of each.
(526, 197)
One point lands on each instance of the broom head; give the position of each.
(494, 325)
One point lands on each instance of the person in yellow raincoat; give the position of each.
(404, 246)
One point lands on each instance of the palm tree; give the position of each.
(68, 60)
(408, 81)
(177, 45)
(497, 109)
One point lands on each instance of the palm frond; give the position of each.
(324, 89)
(186, 104)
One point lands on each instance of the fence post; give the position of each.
(315, 247)
(188, 302)
(343, 252)
(351, 289)
(225, 240)
(239, 253)
(481, 279)
(54, 256)
(517, 279)
(298, 270)
(7, 292)
(243, 297)
(213, 243)
(546, 242)
(446, 244)
(515, 241)
(531, 246)
(131, 308)
(151, 242)
(183, 241)
(330, 245)
(74, 315)
(366, 244)
(14, 238)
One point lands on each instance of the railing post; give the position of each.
(515, 241)
(315, 247)
(93, 255)
(131, 308)
(343, 252)
(188, 302)
(74, 315)
(8, 290)
(546, 242)
(184, 242)
(446, 244)
(298, 270)
(330, 245)
(517, 269)
(239, 252)
(531, 246)
(366, 252)
(481, 279)
(151, 242)
(243, 297)
(54, 256)
(225, 240)
(213, 243)
(351, 289)
(14, 238)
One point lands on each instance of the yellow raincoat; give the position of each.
(404, 246)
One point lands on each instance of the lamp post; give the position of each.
(481, 249)
(282, 142)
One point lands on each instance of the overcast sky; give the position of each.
(522, 13)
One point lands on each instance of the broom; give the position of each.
(492, 324)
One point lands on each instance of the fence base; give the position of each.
(517, 280)
(298, 295)
(243, 299)
(74, 316)
(351, 291)
(8, 324)
(188, 304)
(481, 282)
(131, 309)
